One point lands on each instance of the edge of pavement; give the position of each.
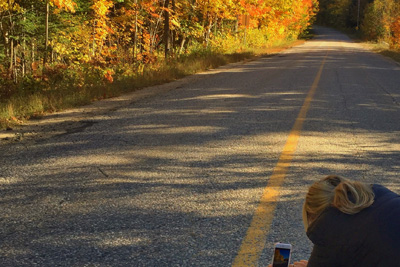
(70, 120)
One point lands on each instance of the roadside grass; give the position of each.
(379, 47)
(387, 52)
(69, 88)
(383, 49)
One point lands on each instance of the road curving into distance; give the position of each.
(182, 178)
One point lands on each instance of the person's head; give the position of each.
(349, 197)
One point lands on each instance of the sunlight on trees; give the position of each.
(88, 43)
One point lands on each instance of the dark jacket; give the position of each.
(368, 238)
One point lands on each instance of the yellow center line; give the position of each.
(254, 241)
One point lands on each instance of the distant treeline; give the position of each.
(377, 20)
(60, 53)
(111, 32)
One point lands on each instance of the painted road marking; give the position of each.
(254, 241)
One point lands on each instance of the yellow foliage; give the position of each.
(9, 5)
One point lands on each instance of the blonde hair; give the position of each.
(349, 197)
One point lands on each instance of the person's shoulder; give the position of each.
(386, 203)
(382, 191)
(386, 214)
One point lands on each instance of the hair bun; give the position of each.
(352, 197)
(333, 180)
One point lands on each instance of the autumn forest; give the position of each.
(56, 54)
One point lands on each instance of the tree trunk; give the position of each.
(11, 69)
(33, 53)
(173, 34)
(182, 44)
(47, 34)
(237, 24)
(166, 29)
(94, 39)
(11, 40)
(208, 33)
(136, 32)
(23, 52)
(4, 35)
(15, 70)
(216, 25)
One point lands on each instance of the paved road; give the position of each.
(175, 179)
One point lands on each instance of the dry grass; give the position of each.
(383, 49)
(394, 54)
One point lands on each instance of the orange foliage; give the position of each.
(108, 76)
(395, 27)
(68, 5)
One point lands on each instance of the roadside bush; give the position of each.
(395, 41)
(381, 22)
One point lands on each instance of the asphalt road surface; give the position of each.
(175, 179)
